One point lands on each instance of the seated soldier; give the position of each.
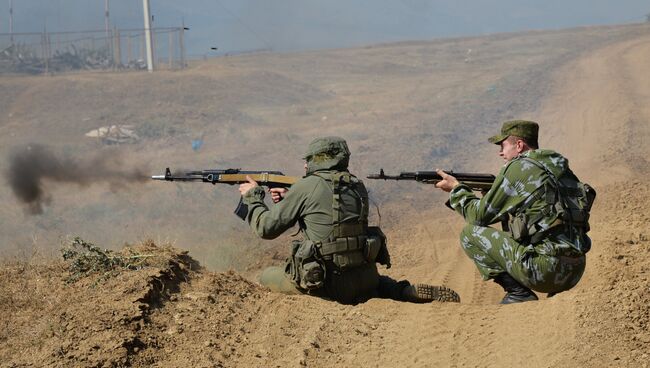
(338, 255)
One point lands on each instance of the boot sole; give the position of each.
(428, 293)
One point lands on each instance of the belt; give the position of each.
(342, 245)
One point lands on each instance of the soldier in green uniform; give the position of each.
(544, 209)
(337, 257)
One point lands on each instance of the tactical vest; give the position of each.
(352, 243)
(567, 200)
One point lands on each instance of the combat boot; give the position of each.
(515, 292)
(423, 293)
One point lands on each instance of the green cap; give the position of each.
(327, 146)
(327, 153)
(520, 128)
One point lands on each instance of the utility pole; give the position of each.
(147, 34)
(11, 21)
(107, 20)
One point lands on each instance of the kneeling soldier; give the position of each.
(543, 246)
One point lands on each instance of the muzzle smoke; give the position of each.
(33, 168)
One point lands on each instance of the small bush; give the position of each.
(86, 259)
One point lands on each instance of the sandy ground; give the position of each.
(593, 109)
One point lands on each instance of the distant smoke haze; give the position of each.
(32, 169)
(281, 25)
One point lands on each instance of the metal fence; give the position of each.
(116, 49)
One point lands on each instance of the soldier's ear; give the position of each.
(521, 146)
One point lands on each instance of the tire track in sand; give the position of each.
(452, 266)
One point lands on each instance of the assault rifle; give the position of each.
(271, 179)
(478, 182)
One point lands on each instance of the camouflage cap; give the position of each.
(520, 128)
(328, 146)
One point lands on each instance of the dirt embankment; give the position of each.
(167, 311)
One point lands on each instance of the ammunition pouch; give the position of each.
(304, 267)
(346, 252)
(518, 227)
(355, 251)
(525, 231)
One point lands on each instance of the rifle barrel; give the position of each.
(476, 181)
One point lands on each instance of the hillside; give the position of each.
(401, 106)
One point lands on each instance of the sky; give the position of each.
(289, 25)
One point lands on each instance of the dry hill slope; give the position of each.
(593, 111)
(403, 106)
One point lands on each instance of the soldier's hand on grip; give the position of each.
(447, 183)
(277, 194)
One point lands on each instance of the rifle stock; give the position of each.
(271, 179)
(476, 181)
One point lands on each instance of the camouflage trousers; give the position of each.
(538, 267)
(352, 287)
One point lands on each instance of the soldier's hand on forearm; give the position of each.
(447, 183)
(277, 194)
(245, 187)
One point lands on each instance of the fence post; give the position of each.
(49, 45)
(128, 49)
(171, 49)
(181, 44)
(142, 48)
(44, 51)
(118, 48)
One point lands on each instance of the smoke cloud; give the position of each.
(33, 168)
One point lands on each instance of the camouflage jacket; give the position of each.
(515, 183)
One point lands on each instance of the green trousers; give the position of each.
(538, 267)
(350, 287)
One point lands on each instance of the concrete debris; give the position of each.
(114, 134)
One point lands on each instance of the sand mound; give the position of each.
(167, 309)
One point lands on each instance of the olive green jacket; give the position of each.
(308, 203)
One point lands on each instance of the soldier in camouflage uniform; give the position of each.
(539, 251)
(337, 258)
